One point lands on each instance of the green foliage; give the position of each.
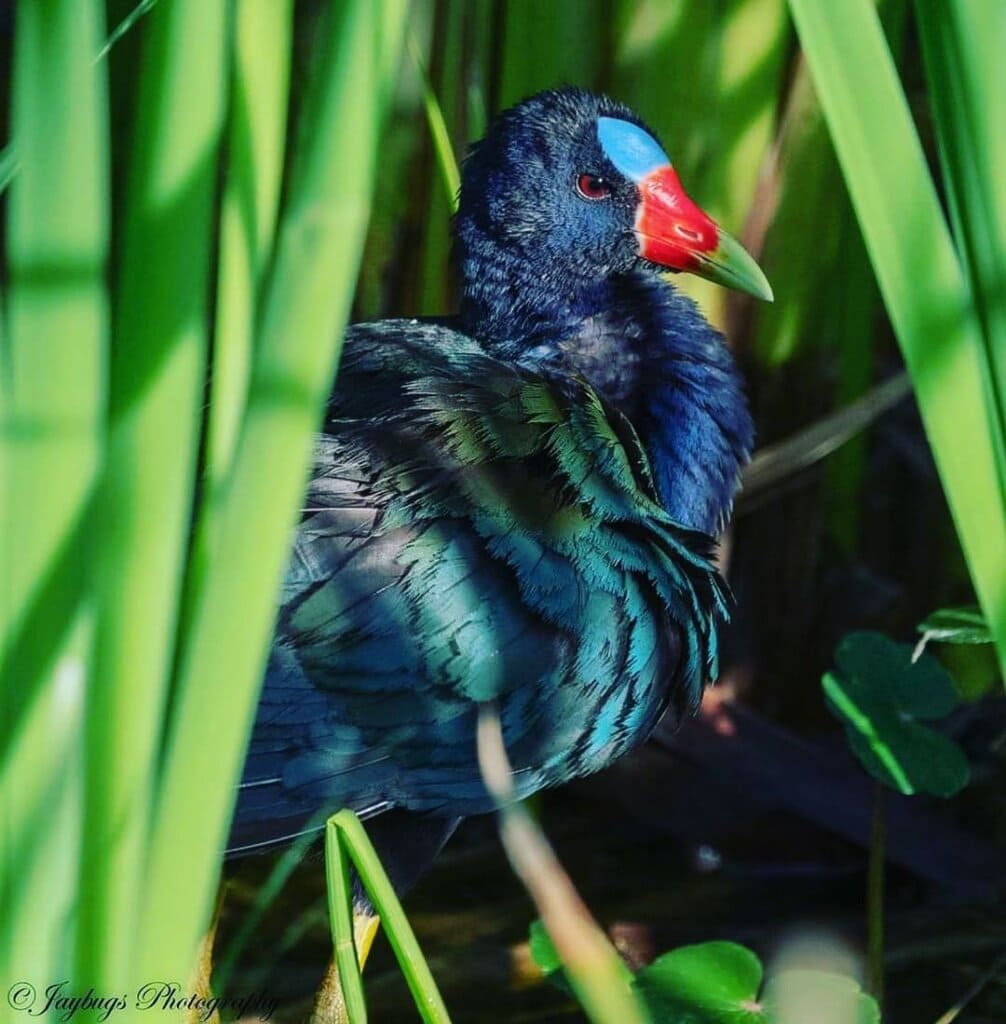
(941, 282)
(709, 983)
(882, 696)
(446, 160)
(721, 983)
(956, 626)
(54, 345)
(962, 48)
(543, 952)
(131, 657)
(212, 270)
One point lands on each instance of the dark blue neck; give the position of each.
(650, 352)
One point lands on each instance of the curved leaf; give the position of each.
(957, 626)
(709, 983)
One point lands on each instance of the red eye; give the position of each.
(592, 187)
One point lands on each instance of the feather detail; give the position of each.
(474, 531)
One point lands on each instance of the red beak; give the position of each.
(672, 230)
(675, 233)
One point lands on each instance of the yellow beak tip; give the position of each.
(732, 266)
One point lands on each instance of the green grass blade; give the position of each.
(161, 339)
(806, 233)
(340, 914)
(920, 277)
(8, 166)
(345, 834)
(544, 45)
(40, 816)
(126, 25)
(249, 206)
(475, 84)
(443, 101)
(317, 256)
(54, 359)
(52, 379)
(446, 160)
(256, 143)
(963, 43)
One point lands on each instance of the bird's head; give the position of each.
(569, 189)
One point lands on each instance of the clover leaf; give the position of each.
(721, 983)
(710, 983)
(881, 697)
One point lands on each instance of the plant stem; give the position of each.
(340, 913)
(974, 991)
(346, 835)
(875, 897)
(596, 973)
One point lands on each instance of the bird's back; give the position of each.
(472, 532)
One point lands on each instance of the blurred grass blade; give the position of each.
(778, 462)
(802, 237)
(316, 260)
(963, 42)
(544, 45)
(156, 396)
(124, 26)
(257, 134)
(53, 369)
(920, 277)
(40, 820)
(265, 896)
(8, 166)
(444, 105)
(594, 969)
(52, 379)
(249, 206)
(446, 160)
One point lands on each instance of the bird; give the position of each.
(515, 505)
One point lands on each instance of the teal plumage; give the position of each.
(473, 532)
(516, 506)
